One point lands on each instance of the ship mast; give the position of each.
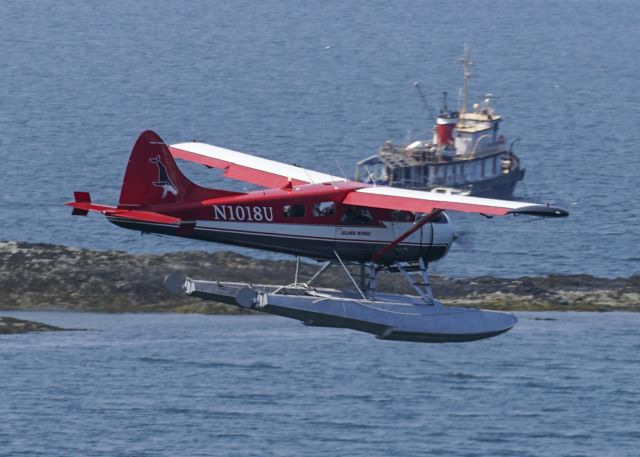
(466, 63)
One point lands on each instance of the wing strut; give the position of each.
(424, 219)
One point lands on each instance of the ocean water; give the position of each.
(320, 83)
(191, 385)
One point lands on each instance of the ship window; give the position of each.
(293, 210)
(322, 209)
(482, 172)
(397, 175)
(495, 165)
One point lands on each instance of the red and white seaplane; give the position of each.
(315, 215)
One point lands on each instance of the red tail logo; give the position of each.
(164, 181)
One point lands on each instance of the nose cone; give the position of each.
(444, 232)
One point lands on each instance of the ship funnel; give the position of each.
(445, 123)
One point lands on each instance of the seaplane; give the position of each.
(364, 229)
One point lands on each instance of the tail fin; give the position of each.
(152, 176)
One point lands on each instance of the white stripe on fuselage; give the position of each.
(443, 233)
(358, 233)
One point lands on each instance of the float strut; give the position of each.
(423, 288)
(324, 267)
(295, 278)
(372, 280)
(346, 270)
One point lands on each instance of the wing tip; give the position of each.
(541, 211)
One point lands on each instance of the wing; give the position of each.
(418, 201)
(248, 168)
(269, 173)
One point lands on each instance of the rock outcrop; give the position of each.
(10, 325)
(43, 276)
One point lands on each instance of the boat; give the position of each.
(466, 156)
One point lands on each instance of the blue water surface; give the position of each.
(319, 82)
(192, 385)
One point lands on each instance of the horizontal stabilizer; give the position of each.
(144, 216)
(82, 205)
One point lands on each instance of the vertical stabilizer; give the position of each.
(152, 176)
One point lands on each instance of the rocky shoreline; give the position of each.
(44, 276)
(10, 325)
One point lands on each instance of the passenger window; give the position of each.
(293, 210)
(402, 216)
(322, 209)
(356, 215)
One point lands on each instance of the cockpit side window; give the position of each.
(293, 210)
(323, 209)
(402, 216)
(356, 215)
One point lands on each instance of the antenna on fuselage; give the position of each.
(371, 176)
(308, 175)
(344, 175)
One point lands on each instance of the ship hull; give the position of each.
(480, 176)
(500, 187)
